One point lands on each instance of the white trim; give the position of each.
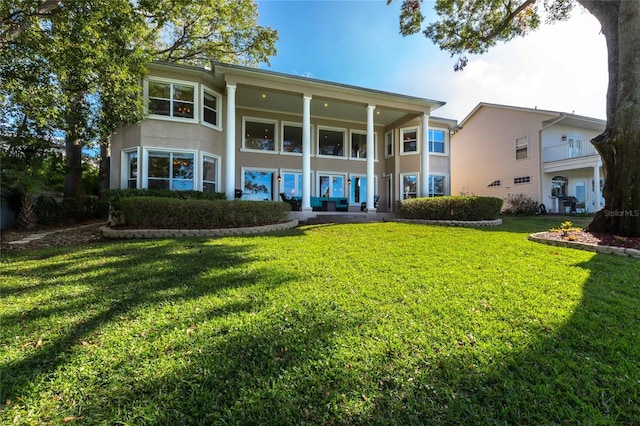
(364, 133)
(446, 142)
(124, 173)
(218, 170)
(343, 175)
(390, 132)
(344, 147)
(219, 98)
(352, 176)
(196, 103)
(401, 182)
(415, 129)
(275, 194)
(274, 122)
(445, 185)
(515, 148)
(284, 123)
(284, 171)
(145, 163)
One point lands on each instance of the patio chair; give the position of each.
(376, 199)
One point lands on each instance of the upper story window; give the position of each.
(437, 141)
(211, 108)
(358, 145)
(259, 134)
(331, 142)
(171, 99)
(388, 144)
(409, 138)
(292, 138)
(522, 148)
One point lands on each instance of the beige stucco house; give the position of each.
(500, 150)
(226, 127)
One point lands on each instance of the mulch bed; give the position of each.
(592, 238)
(75, 234)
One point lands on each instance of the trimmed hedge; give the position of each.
(450, 208)
(168, 213)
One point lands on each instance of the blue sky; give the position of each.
(560, 67)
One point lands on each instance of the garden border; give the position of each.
(461, 223)
(619, 251)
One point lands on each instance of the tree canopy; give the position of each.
(74, 67)
(472, 27)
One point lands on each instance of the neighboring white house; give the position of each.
(546, 155)
(230, 127)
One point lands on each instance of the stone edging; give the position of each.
(462, 223)
(620, 251)
(177, 233)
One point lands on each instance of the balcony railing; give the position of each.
(566, 151)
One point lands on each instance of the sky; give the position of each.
(559, 67)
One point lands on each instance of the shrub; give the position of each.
(520, 204)
(450, 208)
(114, 196)
(167, 213)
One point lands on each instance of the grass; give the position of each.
(381, 323)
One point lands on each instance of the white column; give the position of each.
(306, 153)
(596, 187)
(424, 157)
(370, 159)
(230, 158)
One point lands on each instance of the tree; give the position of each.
(472, 27)
(87, 59)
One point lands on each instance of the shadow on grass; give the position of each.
(130, 277)
(285, 364)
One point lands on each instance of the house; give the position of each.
(227, 127)
(547, 155)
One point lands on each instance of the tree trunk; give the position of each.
(73, 189)
(619, 144)
(105, 165)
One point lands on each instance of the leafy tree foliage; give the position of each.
(472, 27)
(73, 68)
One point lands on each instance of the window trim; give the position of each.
(275, 150)
(445, 141)
(124, 175)
(172, 81)
(345, 150)
(352, 177)
(445, 184)
(526, 139)
(218, 96)
(218, 159)
(285, 171)
(275, 195)
(284, 123)
(402, 189)
(521, 180)
(391, 134)
(363, 132)
(410, 129)
(331, 174)
(145, 164)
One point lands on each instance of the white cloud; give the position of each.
(560, 67)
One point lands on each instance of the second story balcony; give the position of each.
(568, 150)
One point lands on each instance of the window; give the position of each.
(209, 173)
(436, 141)
(331, 185)
(331, 142)
(358, 145)
(292, 184)
(409, 186)
(210, 108)
(522, 148)
(292, 138)
(259, 135)
(358, 189)
(522, 179)
(258, 185)
(130, 169)
(437, 186)
(495, 183)
(170, 170)
(388, 144)
(171, 99)
(409, 139)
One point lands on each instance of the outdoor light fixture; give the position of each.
(279, 178)
(349, 181)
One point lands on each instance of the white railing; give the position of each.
(565, 151)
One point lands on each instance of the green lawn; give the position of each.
(382, 323)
